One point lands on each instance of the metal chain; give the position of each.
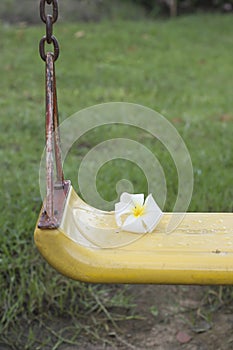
(49, 20)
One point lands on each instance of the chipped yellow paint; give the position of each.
(89, 247)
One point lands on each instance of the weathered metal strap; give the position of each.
(56, 188)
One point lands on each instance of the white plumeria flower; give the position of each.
(138, 217)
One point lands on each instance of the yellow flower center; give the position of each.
(138, 210)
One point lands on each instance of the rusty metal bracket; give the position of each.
(60, 193)
(56, 187)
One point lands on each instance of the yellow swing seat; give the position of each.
(85, 244)
(88, 247)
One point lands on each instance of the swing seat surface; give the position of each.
(88, 246)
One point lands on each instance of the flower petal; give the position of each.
(126, 205)
(151, 205)
(137, 199)
(133, 199)
(120, 209)
(151, 219)
(123, 208)
(133, 224)
(153, 213)
(125, 197)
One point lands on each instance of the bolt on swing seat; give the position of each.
(85, 244)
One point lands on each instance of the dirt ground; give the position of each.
(170, 318)
(164, 318)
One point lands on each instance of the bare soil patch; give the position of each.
(170, 318)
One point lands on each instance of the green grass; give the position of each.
(181, 68)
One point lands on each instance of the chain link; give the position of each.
(49, 28)
(55, 48)
(54, 4)
(49, 20)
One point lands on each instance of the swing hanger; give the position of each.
(56, 191)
